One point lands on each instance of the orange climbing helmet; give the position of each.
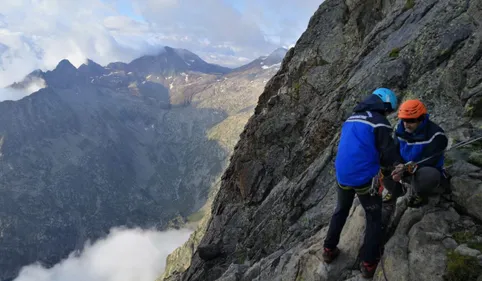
(411, 109)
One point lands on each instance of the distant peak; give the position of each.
(35, 73)
(117, 65)
(63, 76)
(280, 49)
(90, 62)
(65, 65)
(183, 52)
(167, 49)
(91, 68)
(280, 52)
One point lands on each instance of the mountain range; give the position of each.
(127, 144)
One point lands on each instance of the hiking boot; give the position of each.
(368, 269)
(416, 201)
(330, 254)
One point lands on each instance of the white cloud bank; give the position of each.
(37, 34)
(125, 255)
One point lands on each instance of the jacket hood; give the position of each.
(371, 103)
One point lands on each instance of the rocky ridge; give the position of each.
(271, 213)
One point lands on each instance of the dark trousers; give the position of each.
(373, 231)
(426, 181)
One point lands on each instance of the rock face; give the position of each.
(271, 214)
(136, 144)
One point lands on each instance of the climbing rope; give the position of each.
(383, 266)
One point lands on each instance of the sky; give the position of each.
(37, 34)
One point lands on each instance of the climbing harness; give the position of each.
(376, 187)
(359, 191)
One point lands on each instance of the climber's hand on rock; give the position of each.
(398, 172)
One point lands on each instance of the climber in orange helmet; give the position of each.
(417, 138)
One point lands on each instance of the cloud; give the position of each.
(283, 21)
(37, 34)
(15, 94)
(12, 94)
(227, 29)
(125, 25)
(125, 255)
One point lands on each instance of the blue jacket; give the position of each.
(366, 143)
(424, 142)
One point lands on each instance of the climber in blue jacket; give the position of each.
(366, 145)
(418, 138)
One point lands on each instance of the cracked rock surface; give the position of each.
(271, 214)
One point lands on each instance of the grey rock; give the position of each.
(395, 260)
(419, 253)
(234, 273)
(450, 243)
(463, 168)
(468, 193)
(209, 252)
(468, 223)
(466, 251)
(357, 277)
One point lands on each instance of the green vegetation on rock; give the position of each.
(448, 161)
(394, 53)
(475, 158)
(409, 4)
(461, 268)
(462, 237)
(475, 245)
(196, 217)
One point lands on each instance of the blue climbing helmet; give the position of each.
(387, 96)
